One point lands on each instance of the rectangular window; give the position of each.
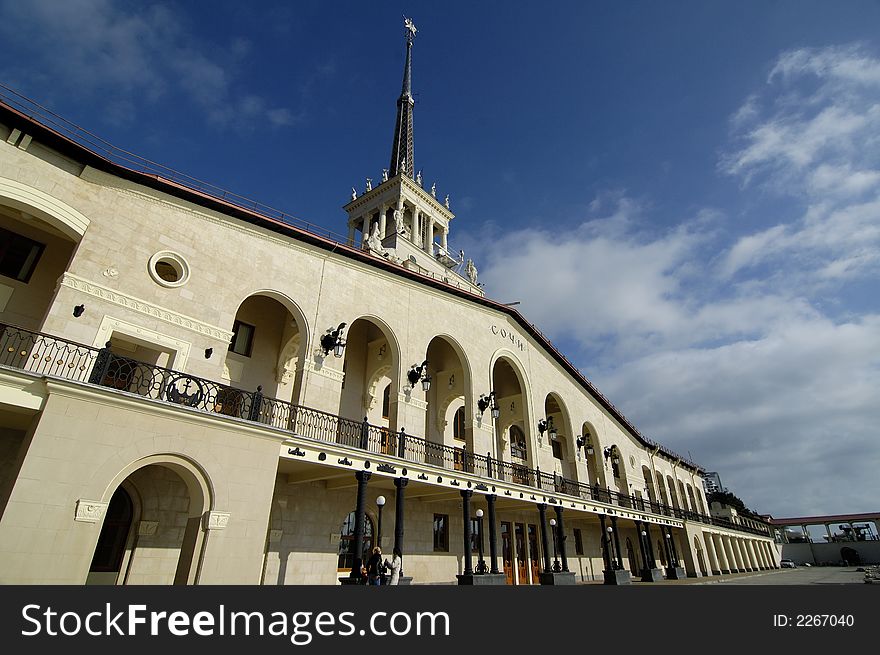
(242, 338)
(578, 542)
(18, 255)
(557, 449)
(441, 533)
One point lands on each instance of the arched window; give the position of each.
(346, 542)
(458, 424)
(518, 443)
(386, 402)
(114, 534)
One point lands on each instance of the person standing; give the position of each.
(374, 567)
(394, 566)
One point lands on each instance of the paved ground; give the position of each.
(804, 575)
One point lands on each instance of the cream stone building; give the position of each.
(194, 390)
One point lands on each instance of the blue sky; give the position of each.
(685, 196)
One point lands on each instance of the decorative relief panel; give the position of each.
(148, 528)
(89, 511)
(216, 520)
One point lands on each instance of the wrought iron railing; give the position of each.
(50, 356)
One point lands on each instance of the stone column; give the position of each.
(400, 483)
(466, 516)
(721, 554)
(351, 232)
(560, 537)
(673, 548)
(714, 566)
(758, 565)
(429, 246)
(358, 560)
(493, 543)
(643, 550)
(606, 544)
(444, 232)
(383, 219)
(669, 561)
(417, 227)
(652, 559)
(618, 559)
(542, 512)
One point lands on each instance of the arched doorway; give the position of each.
(449, 401)
(346, 549)
(152, 531)
(513, 422)
(111, 548)
(267, 349)
(649, 484)
(555, 414)
(632, 558)
(592, 452)
(370, 367)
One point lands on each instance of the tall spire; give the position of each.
(402, 147)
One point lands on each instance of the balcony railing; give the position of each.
(50, 356)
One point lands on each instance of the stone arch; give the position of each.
(648, 479)
(289, 359)
(595, 470)
(200, 497)
(49, 209)
(693, 500)
(451, 381)
(295, 310)
(275, 348)
(374, 388)
(372, 354)
(673, 492)
(447, 411)
(683, 495)
(523, 412)
(565, 432)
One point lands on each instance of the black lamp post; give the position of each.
(612, 555)
(419, 372)
(380, 503)
(487, 401)
(556, 566)
(481, 564)
(611, 453)
(333, 340)
(583, 441)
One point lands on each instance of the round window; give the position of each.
(169, 269)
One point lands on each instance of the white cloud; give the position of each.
(812, 136)
(131, 56)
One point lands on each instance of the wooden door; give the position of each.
(506, 551)
(521, 563)
(534, 554)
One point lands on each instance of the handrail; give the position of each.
(51, 356)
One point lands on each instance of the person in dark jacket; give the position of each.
(374, 567)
